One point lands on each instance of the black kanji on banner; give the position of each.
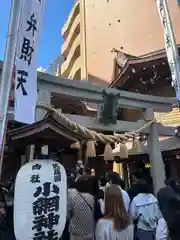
(46, 189)
(45, 210)
(172, 66)
(26, 51)
(35, 178)
(57, 172)
(32, 24)
(45, 205)
(21, 80)
(50, 235)
(45, 221)
(36, 166)
(168, 41)
(164, 21)
(161, 5)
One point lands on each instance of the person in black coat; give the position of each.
(135, 187)
(94, 190)
(169, 203)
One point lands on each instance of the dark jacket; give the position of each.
(169, 203)
(134, 190)
(8, 228)
(97, 210)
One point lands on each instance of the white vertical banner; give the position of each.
(26, 60)
(170, 45)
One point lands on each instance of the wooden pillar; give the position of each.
(125, 175)
(23, 160)
(80, 152)
(121, 170)
(155, 156)
(30, 153)
(44, 97)
(173, 168)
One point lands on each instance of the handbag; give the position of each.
(90, 208)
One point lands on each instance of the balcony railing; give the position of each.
(73, 33)
(74, 12)
(73, 55)
(76, 67)
(69, 67)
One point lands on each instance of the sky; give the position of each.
(55, 15)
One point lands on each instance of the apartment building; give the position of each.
(54, 67)
(74, 47)
(94, 27)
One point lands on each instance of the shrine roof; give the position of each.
(130, 69)
(50, 131)
(166, 145)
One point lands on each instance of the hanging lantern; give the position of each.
(40, 195)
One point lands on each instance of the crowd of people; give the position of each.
(6, 210)
(101, 209)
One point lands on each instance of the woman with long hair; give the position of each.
(114, 178)
(116, 223)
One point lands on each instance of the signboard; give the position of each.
(26, 60)
(40, 202)
(170, 46)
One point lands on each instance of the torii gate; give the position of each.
(48, 84)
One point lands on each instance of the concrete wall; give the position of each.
(133, 25)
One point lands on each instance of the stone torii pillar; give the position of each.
(155, 156)
(44, 97)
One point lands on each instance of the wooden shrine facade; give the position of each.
(146, 74)
(170, 150)
(49, 131)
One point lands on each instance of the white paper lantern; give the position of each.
(40, 202)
